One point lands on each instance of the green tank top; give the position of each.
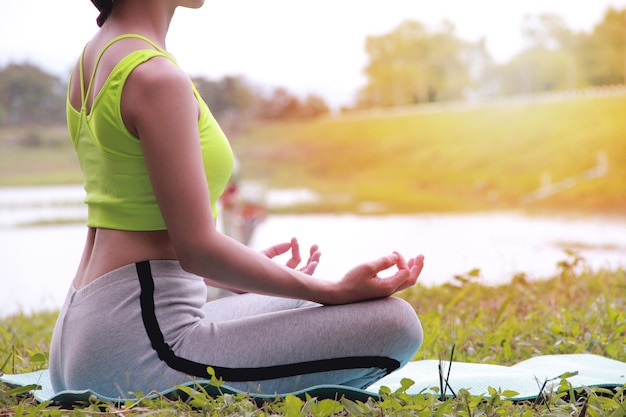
(119, 193)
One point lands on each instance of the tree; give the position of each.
(603, 52)
(536, 70)
(412, 65)
(29, 95)
(280, 104)
(233, 101)
(548, 63)
(313, 106)
(226, 95)
(547, 31)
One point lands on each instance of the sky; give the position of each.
(305, 46)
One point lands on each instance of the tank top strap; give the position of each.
(81, 77)
(85, 93)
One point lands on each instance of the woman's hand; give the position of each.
(363, 282)
(294, 261)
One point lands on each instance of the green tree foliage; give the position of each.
(227, 95)
(28, 95)
(412, 64)
(603, 52)
(547, 31)
(556, 58)
(233, 101)
(538, 69)
(549, 61)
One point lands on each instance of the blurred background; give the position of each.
(488, 135)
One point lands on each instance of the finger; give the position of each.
(418, 262)
(314, 249)
(401, 264)
(415, 261)
(314, 254)
(309, 268)
(414, 273)
(295, 254)
(313, 261)
(399, 279)
(316, 257)
(276, 250)
(383, 263)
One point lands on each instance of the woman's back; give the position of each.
(120, 198)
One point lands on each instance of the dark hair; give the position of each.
(105, 7)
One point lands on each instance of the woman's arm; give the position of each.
(158, 105)
(293, 262)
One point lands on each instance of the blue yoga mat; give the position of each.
(526, 378)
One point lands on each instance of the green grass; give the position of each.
(576, 311)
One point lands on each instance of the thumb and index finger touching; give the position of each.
(407, 273)
(396, 259)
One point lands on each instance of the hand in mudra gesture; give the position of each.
(365, 282)
(294, 261)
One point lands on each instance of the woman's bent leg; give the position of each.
(279, 345)
(149, 329)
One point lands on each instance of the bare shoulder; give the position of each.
(158, 74)
(155, 92)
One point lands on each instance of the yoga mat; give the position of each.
(526, 378)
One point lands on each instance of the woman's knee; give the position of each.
(403, 320)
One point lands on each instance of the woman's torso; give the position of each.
(107, 249)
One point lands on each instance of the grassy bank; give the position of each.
(483, 158)
(473, 159)
(576, 311)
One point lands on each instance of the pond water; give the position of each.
(37, 261)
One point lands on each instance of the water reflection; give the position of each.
(38, 260)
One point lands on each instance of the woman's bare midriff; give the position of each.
(107, 250)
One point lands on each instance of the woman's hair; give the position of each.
(105, 7)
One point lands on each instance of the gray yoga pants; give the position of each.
(147, 326)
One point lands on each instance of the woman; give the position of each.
(136, 319)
